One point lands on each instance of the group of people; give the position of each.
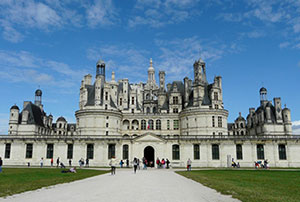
(122, 163)
(163, 163)
(61, 164)
(260, 164)
(234, 164)
(81, 162)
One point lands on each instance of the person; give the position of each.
(87, 163)
(42, 162)
(144, 163)
(57, 162)
(62, 165)
(256, 164)
(51, 162)
(121, 164)
(135, 164)
(238, 165)
(80, 163)
(73, 170)
(70, 162)
(233, 164)
(189, 164)
(138, 163)
(112, 164)
(1, 163)
(127, 163)
(163, 163)
(28, 164)
(167, 162)
(158, 162)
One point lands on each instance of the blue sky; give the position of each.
(53, 44)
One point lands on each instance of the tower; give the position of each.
(38, 98)
(263, 96)
(162, 76)
(151, 73)
(100, 72)
(200, 82)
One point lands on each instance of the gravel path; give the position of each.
(151, 185)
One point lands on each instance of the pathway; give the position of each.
(148, 186)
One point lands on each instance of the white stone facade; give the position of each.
(177, 121)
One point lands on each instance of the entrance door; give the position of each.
(149, 155)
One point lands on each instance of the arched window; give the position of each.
(147, 96)
(154, 110)
(125, 151)
(158, 125)
(143, 125)
(242, 132)
(151, 127)
(175, 152)
(148, 110)
(242, 125)
(135, 124)
(125, 125)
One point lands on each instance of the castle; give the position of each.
(180, 120)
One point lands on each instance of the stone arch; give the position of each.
(125, 125)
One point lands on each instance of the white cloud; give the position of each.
(284, 44)
(296, 127)
(102, 12)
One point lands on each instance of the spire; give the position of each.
(151, 73)
(151, 66)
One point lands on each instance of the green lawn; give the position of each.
(251, 185)
(16, 180)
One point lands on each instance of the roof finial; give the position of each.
(284, 105)
(240, 114)
(150, 62)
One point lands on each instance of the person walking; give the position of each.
(189, 165)
(87, 163)
(138, 163)
(1, 163)
(112, 164)
(121, 164)
(158, 162)
(167, 162)
(163, 163)
(57, 162)
(51, 162)
(135, 164)
(42, 162)
(127, 163)
(70, 162)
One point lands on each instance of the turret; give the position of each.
(151, 73)
(13, 120)
(200, 71)
(263, 96)
(38, 98)
(100, 69)
(50, 120)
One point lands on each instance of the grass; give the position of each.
(251, 185)
(17, 180)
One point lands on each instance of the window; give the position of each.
(106, 125)
(260, 151)
(143, 125)
(239, 152)
(29, 149)
(121, 102)
(215, 152)
(158, 125)
(105, 107)
(215, 96)
(242, 125)
(213, 121)
(219, 121)
(175, 110)
(106, 132)
(150, 127)
(107, 117)
(216, 106)
(111, 151)
(90, 151)
(175, 100)
(70, 151)
(106, 95)
(196, 151)
(175, 152)
(125, 151)
(132, 111)
(176, 124)
(49, 151)
(148, 110)
(7, 150)
(168, 124)
(282, 152)
(132, 100)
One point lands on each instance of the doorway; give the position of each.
(149, 155)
